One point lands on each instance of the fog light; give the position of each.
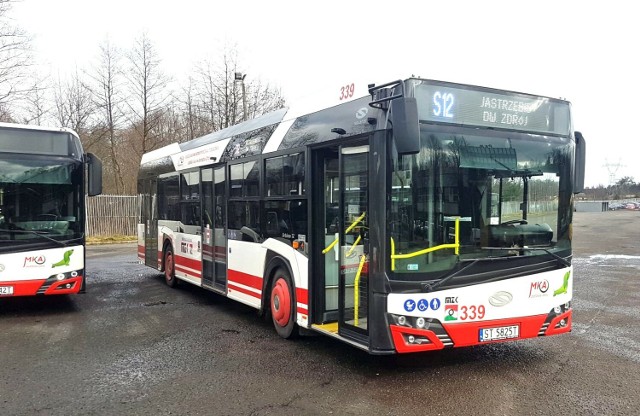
(563, 323)
(411, 339)
(557, 309)
(420, 322)
(68, 286)
(60, 276)
(402, 320)
(74, 274)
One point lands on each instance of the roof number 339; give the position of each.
(347, 91)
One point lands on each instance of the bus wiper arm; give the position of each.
(562, 261)
(39, 234)
(429, 287)
(516, 172)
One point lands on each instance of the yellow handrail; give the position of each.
(393, 253)
(330, 246)
(353, 246)
(356, 291)
(351, 227)
(455, 246)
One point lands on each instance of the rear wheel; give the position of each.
(283, 304)
(169, 268)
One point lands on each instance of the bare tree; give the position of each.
(74, 107)
(215, 97)
(15, 57)
(37, 104)
(262, 99)
(107, 96)
(148, 95)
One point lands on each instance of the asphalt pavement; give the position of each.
(132, 345)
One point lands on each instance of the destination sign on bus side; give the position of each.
(478, 107)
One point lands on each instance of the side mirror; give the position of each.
(94, 171)
(579, 168)
(406, 128)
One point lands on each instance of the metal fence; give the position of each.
(109, 215)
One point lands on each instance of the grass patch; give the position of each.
(111, 239)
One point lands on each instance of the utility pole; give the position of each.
(239, 76)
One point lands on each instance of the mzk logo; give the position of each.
(451, 312)
(451, 308)
(66, 259)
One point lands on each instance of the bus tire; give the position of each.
(283, 303)
(170, 267)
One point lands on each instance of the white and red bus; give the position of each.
(43, 177)
(410, 216)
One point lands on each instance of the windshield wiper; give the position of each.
(39, 234)
(522, 173)
(562, 261)
(429, 287)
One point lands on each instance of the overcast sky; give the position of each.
(586, 52)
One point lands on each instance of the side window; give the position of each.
(168, 197)
(245, 179)
(190, 198)
(285, 219)
(219, 191)
(285, 175)
(244, 214)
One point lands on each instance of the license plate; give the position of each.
(6, 290)
(501, 332)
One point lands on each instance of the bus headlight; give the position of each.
(60, 276)
(558, 310)
(420, 322)
(402, 320)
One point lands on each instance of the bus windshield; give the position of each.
(497, 193)
(40, 200)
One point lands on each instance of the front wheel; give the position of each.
(170, 268)
(283, 304)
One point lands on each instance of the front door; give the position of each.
(340, 242)
(354, 239)
(214, 236)
(149, 202)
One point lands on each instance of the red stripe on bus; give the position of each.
(245, 279)
(31, 287)
(190, 272)
(235, 288)
(23, 287)
(302, 295)
(190, 263)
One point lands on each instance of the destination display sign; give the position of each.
(473, 106)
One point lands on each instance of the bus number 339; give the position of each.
(471, 312)
(347, 91)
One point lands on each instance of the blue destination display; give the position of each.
(474, 106)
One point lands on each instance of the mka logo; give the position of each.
(539, 288)
(34, 261)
